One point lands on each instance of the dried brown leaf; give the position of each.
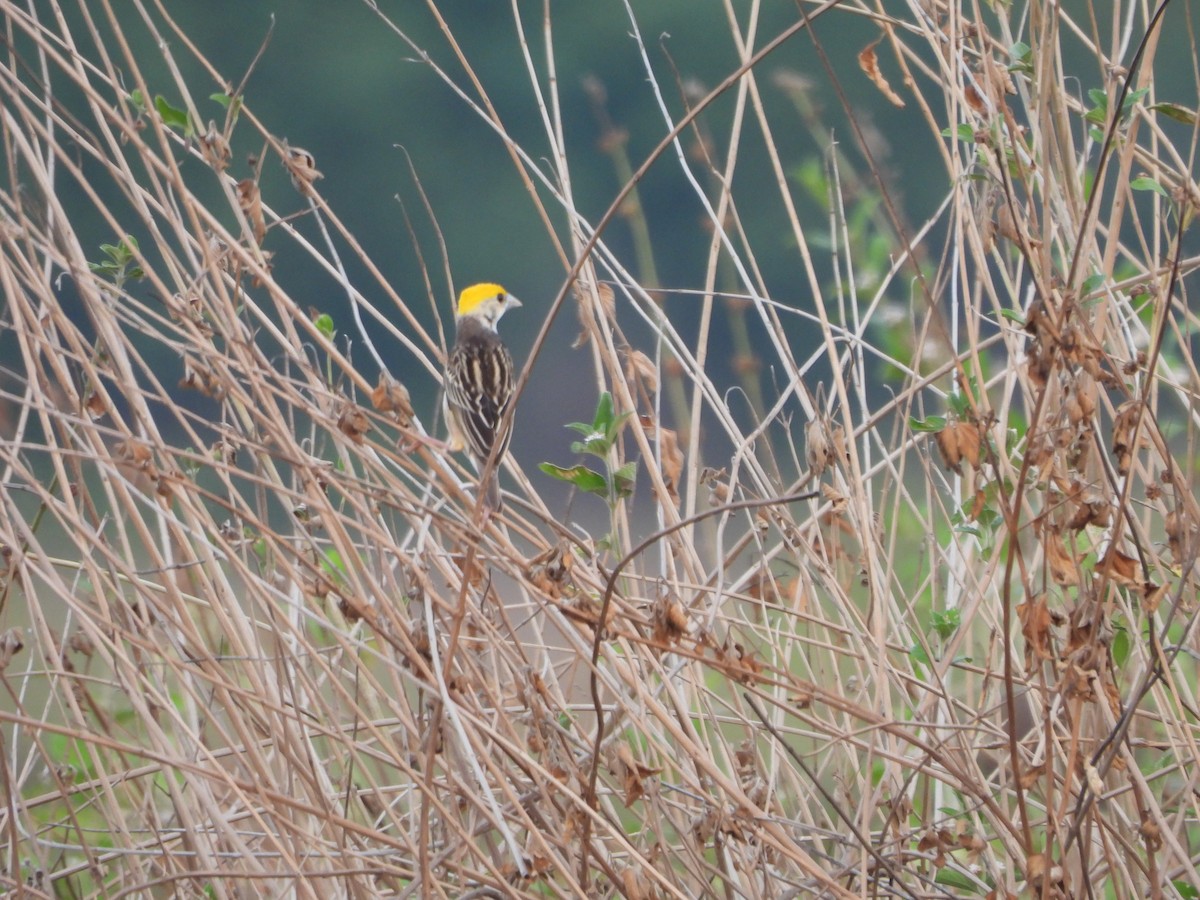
(1030, 776)
(550, 571)
(837, 500)
(960, 442)
(95, 405)
(1120, 567)
(1091, 508)
(1151, 833)
(978, 504)
(1037, 622)
(250, 200)
(969, 439)
(11, 643)
(803, 698)
(474, 575)
(353, 423)
(198, 377)
(640, 367)
(302, 167)
(632, 774)
(1180, 532)
(1152, 596)
(349, 609)
(975, 100)
(824, 444)
(390, 396)
(1064, 567)
(869, 63)
(671, 454)
(1125, 425)
(134, 453)
(669, 619)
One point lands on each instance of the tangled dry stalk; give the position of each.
(937, 641)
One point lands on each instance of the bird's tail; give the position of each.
(491, 492)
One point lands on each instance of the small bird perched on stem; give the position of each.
(479, 382)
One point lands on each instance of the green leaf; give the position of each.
(953, 878)
(963, 132)
(121, 254)
(606, 421)
(172, 117)
(1131, 99)
(624, 479)
(917, 654)
(614, 427)
(601, 434)
(332, 563)
(596, 445)
(1013, 315)
(1098, 114)
(1176, 112)
(1186, 889)
(933, 423)
(989, 518)
(324, 323)
(1121, 646)
(604, 413)
(120, 265)
(1146, 183)
(946, 622)
(1022, 59)
(233, 103)
(138, 99)
(958, 402)
(580, 476)
(1092, 283)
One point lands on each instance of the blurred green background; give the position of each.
(348, 83)
(340, 81)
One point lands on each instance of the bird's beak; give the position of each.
(513, 301)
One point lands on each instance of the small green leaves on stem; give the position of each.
(171, 116)
(599, 438)
(930, 425)
(1022, 59)
(1098, 114)
(946, 622)
(121, 264)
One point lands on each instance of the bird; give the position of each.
(479, 382)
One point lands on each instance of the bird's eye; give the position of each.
(501, 297)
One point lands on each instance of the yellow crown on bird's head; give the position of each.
(472, 297)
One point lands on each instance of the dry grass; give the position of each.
(258, 640)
